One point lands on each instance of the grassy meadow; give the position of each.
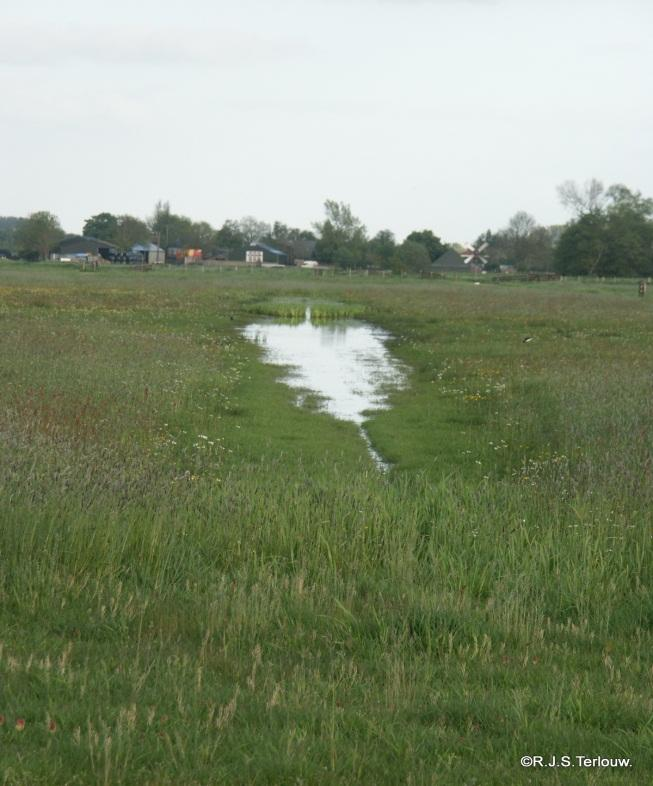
(202, 583)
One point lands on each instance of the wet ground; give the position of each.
(345, 363)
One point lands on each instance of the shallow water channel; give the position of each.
(346, 363)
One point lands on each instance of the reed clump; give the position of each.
(297, 311)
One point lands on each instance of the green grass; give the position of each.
(295, 309)
(201, 583)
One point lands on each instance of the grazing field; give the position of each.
(202, 583)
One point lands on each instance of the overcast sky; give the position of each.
(442, 114)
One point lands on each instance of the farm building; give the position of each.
(150, 253)
(270, 254)
(302, 250)
(74, 245)
(182, 255)
(452, 262)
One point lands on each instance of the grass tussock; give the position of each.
(296, 311)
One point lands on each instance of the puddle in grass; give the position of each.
(345, 363)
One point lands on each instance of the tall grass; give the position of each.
(297, 310)
(201, 583)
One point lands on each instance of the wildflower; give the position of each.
(2, 720)
(20, 724)
(52, 726)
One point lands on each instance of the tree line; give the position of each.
(610, 233)
(340, 239)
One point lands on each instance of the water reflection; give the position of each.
(346, 363)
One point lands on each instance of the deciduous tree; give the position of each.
(252, 229)
(411, 257)
(342, 236)
(581, 246)
(282, 233)
(203, 235)
(131, 230)
(431, 242)
(103, 226)
(38, 234)
(8, 228)
(230, 239)
(381, 248)
(586, 198)
(522, 243)
(610, 238)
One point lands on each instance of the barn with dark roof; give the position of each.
(72, 245)
(452, 262)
